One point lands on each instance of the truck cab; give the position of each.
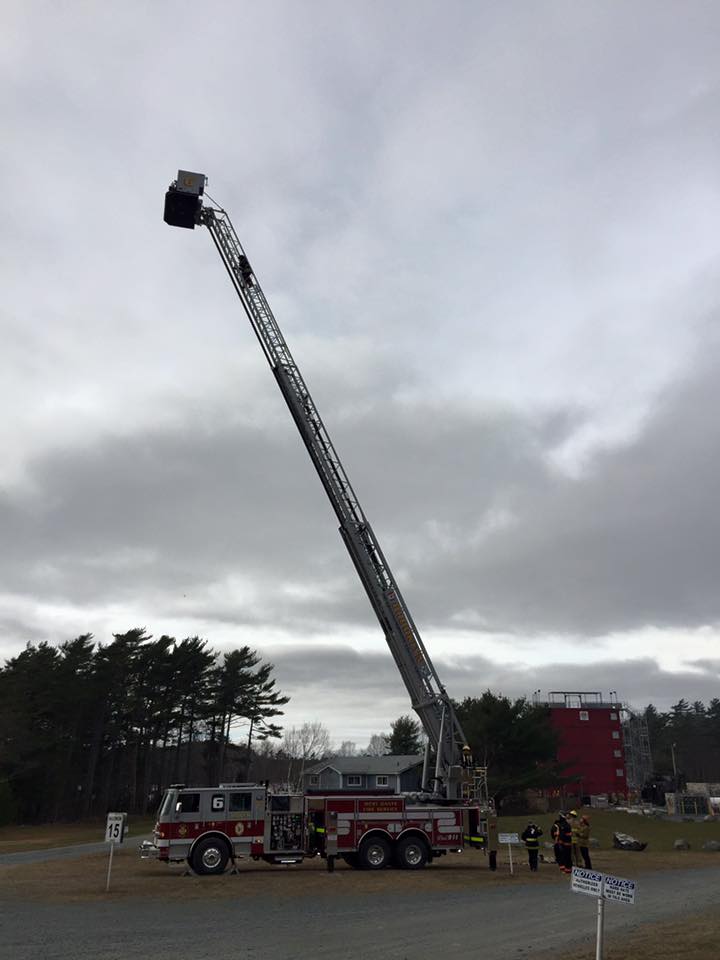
(207, 826)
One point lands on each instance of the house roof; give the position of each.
(371, 765)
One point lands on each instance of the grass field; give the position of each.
(658, 834)
(83, 879)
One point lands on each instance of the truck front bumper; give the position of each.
(148, 850)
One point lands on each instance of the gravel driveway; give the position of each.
(498, 924)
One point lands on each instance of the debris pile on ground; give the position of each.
(713, 846)
(681, 844)
(623, 841)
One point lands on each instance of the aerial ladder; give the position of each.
(452, 775)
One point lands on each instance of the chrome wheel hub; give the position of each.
(211, 858)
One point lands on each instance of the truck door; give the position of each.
(188, 819)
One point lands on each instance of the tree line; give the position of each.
(514, 739)
(685, 741)
(86, 726)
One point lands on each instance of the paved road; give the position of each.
(508, 923)
(61, 853)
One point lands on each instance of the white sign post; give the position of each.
(509, 839)
(114, 833)
(604, 887)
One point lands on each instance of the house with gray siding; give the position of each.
(361, 774)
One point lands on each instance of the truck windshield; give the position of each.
(167, 803)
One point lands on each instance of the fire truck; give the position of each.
(208, 826)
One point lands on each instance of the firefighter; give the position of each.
(574, 824)
(581, 835)
(565, 843)
(555, 837)
(531, 838)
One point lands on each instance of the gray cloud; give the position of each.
(477, 523)
(357, 694)
(493, 250)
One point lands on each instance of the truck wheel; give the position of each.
(374, 853)
(411, 853)
(210, 856)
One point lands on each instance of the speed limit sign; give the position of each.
(115, 827)
(114, 833)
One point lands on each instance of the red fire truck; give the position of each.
(209, 826)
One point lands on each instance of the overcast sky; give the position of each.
(489, 233)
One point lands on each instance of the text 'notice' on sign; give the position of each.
(603, 885)
(587, 881)
(619, 890)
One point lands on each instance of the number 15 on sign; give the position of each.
(114, 833)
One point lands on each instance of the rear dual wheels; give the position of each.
(374, 853)
(409, 853)
(412, 853)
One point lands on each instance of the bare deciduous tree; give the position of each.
(377, 746)
(311, 741)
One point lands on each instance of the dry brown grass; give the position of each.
(83, 878)
(696, 936)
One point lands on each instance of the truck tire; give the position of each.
(210, 856)
(374, 853)
(411, 853)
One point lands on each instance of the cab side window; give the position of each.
(240, 802)
(189, 803)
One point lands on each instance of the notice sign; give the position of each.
(508, 838)
(619, 890)
(587, 881)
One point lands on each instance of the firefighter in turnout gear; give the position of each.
(564, 843)
(574, 824)
(555, 837)
(581, 838)
(531, 838)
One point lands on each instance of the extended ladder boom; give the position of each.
(184, 207)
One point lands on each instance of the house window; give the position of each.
(613, 716)
(315, 780)
(584, 715)
(617, 753)
(354, 780)
(619, 772)
(616, 734)
(381, 781)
